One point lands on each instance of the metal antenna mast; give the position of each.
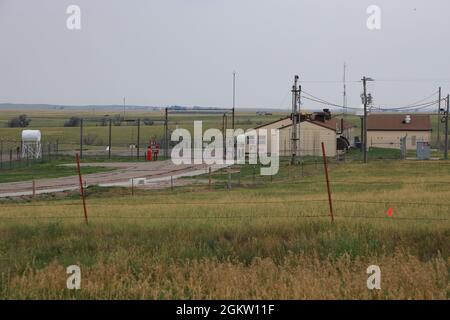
(344, 101)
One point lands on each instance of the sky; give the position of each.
(184, 52)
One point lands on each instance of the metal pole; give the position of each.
(365, 120)
(446, 128)
(34, 188)
(171, 183)
(81, 139)
(81, 188)
(138, 138)
(254, 175)
(330, 203)
(10, 158)
(1, 154)
(209, 178)
(229, 180)
(57, 149)
(166, 135)
(234, 95)
(439, 120)
(294, 121)
(132, 186)
(110, 139)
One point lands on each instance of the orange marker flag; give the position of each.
(390, 212)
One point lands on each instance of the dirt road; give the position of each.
(143, 174)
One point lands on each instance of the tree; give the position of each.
(72, 122)
(19, 122)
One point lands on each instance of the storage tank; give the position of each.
(31, 135)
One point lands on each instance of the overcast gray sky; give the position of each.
(164, 52)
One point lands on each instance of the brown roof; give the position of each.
(396, 122)
(272, 122)
(332, 124)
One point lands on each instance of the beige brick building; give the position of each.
(386, 130)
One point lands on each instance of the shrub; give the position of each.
(19, 122)
(72, 122)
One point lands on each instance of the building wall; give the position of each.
(269, 127)
(311, 136)
(391, 139)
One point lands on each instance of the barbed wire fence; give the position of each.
(236, 178)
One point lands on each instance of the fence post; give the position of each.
(109, 139)
(57, 149)
(253, 178)
(328, 182)
(81, 188)
(302, 169)
(1, 154)
(209, 178)
(34, 188)
(239, 178)
(166, 134)
(138, 138)
(171, 183)
(132, 186)
(229, 180)
(10, 158)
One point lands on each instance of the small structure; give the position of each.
(387, 130)
(316, 127)
(423, 151)
(31, 144)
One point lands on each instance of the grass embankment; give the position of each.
(269, 241)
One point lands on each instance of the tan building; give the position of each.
(312, 133)
(386, 130)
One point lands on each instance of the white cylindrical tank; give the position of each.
(31, 135)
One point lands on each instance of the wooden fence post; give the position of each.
(330, 203)
(81, 188)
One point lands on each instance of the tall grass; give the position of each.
(269, 241)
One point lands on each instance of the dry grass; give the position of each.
(240, 244)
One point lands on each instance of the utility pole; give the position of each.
(439, 120)
(295, 119)
(344, 98)
(446, 128)
(234, 96)
(365, 119)
(365, 98)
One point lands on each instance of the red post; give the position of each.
(328, 182)
(82, 189)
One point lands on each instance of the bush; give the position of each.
(90, 139)
(148, 122)
(72, 122)
(19, 122)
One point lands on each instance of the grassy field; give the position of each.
(37, 171)
(51, 124)
(270, 240)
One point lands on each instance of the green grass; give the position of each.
(44, 171)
